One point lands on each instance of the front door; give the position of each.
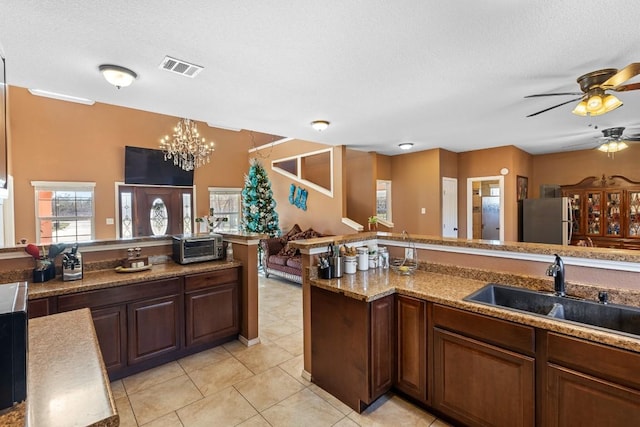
(156, 211)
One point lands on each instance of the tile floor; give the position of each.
(251, 386)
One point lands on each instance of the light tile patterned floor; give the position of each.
(234, 385)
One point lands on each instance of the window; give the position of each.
(383, 200)
(64, 211)
(225, 203)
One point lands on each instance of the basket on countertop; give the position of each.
(407, 265)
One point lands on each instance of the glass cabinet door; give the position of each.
(612, 218)
(633, 213)
(594, 213)
(575, 200)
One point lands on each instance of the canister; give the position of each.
(350, 264)
(363, 258)
(373, 260)
(384, 257)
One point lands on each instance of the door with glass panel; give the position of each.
(155, 211)
(633, 214)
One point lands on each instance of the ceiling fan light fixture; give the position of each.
(117, 75)
(613, 146)
(611, 102)
(581, 109)
(594, 103)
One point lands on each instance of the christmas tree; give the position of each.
(258, 205)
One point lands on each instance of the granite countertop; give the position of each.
(621, 255)
(110, 278)
(66, 376)
(450, 290)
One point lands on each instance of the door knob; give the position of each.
(455, 228)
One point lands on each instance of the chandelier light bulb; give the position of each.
(187, 149)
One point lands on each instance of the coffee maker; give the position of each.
(72, 264)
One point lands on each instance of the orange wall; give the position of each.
(53, 140)
(324, 213)
(573, 166)
(361, 186)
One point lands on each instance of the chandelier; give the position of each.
(187, 148)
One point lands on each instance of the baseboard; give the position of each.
(306, 375)
(250, 342)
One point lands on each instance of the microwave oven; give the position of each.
(13, 344)
(189, 248)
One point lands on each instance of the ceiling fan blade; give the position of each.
(555, 106)
(630, 138)
(622, 76)
(553, 94)
(626, 88)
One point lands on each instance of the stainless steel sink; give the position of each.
(617, 318)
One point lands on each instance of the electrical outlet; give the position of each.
(408, 253)
(109, 221)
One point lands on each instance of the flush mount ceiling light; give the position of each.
(320, 125)
(405, 145)
(117, 75)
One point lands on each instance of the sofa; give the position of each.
(279, 259)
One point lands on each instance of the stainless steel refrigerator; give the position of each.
(546, 220)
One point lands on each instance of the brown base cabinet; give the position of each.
(411, 347)
(352, 346)
(146, 324)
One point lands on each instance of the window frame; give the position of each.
(54, 186)
(388, 198)
(227, 190)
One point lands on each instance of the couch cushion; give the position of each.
(278, 259)
(295, 262)
(287, 236)
(287, 251)
(309, 233)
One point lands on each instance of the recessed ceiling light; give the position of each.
(61, 96)
(320, 125)
(405, 145)
(117, 75)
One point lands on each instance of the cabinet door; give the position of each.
(154, 328)
(575, 200)
(576, 399)
(613, 214)
(111, 329)
(411, 347)
(381, 353)
(212, 314)
(41, 307)
(633, 214)
(480, 384)
(594, 213)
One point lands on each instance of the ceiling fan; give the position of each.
(594, 99)
(613, 140)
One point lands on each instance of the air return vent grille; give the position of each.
(179, 66)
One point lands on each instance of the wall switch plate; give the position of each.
(423, 211)
(109, 221)
(408, 253)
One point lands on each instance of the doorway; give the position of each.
(485, 208)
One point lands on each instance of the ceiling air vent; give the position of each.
(179, 66)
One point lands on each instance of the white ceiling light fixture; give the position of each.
(61, 96)
(117, 75)
(320, 125)
(406, 146)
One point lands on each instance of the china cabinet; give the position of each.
(605, 211)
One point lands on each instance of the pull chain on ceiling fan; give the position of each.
(594, 99)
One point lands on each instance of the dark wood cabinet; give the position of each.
(41, 307)
(111, 329)
(352, 346)
(411, 347)
(154, 328)
(211, 307)
(478, 382)
(590, 383)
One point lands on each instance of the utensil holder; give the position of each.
(324, 272)
(44, 274)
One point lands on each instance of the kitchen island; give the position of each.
(471, 363)
(66, 376)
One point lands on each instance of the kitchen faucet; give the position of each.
(556, 270)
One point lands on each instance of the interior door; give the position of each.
(449, 207)
(491, 218)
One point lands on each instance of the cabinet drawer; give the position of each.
(599, 360)
(41, 307)
(204, 280)
(505, 334)
(120, 294)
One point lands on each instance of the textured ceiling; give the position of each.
(439, 74)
